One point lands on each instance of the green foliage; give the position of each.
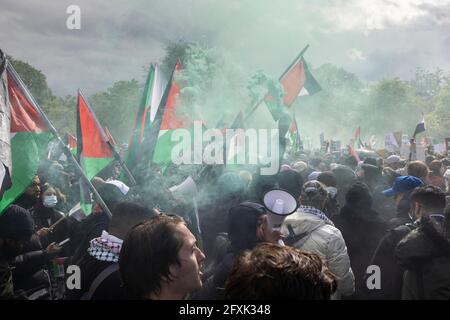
(62, 113)
(214, 87)
(116, 108)
(438, 121)
(427, 85)
(34, 79)
(174, 51)
(336, 110)
(392, 105)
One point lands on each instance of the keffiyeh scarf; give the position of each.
(105, 248)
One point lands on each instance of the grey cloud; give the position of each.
(119, 37)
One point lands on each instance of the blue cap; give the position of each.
(403, 184)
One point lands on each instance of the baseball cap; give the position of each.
(403, 184)
(393, 159)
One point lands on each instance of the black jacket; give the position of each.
(425, 254)
(391, 272)
(362, 230)
(110, 289)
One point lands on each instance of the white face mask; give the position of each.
(50, 201)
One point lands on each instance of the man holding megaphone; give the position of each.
(248, 226)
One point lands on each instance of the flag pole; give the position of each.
(281, 77)
(294, 62)
(122, 163)
(69, 154)
(297, 133)
(104, 137)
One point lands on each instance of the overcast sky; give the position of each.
(372, 38)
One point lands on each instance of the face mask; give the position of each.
(50, 201)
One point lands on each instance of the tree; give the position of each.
(438, 121)
(337, 109)
(34, 79)
(116, 108)
(392, 106)
(427, 85)
(174, 51)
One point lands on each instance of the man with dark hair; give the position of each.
(247, 227)
(391, 273)
(16, 228)
(425, 252)
(160, 260)
(100, 279)
(31, 195)
(271, 272)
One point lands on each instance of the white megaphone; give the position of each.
(188, 188)
(279, 203)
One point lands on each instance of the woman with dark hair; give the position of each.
(50, 223)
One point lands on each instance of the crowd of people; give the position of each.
(215, 242)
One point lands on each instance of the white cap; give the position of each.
(314, 175)
(299, 166)
(119, 184)
(393, 159)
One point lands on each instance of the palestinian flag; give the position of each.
(93, 153)
(151, 98)
(29, 137)
(297, 81)
(359, 143)
(310, 86)
(293, 135)
(165, 122)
